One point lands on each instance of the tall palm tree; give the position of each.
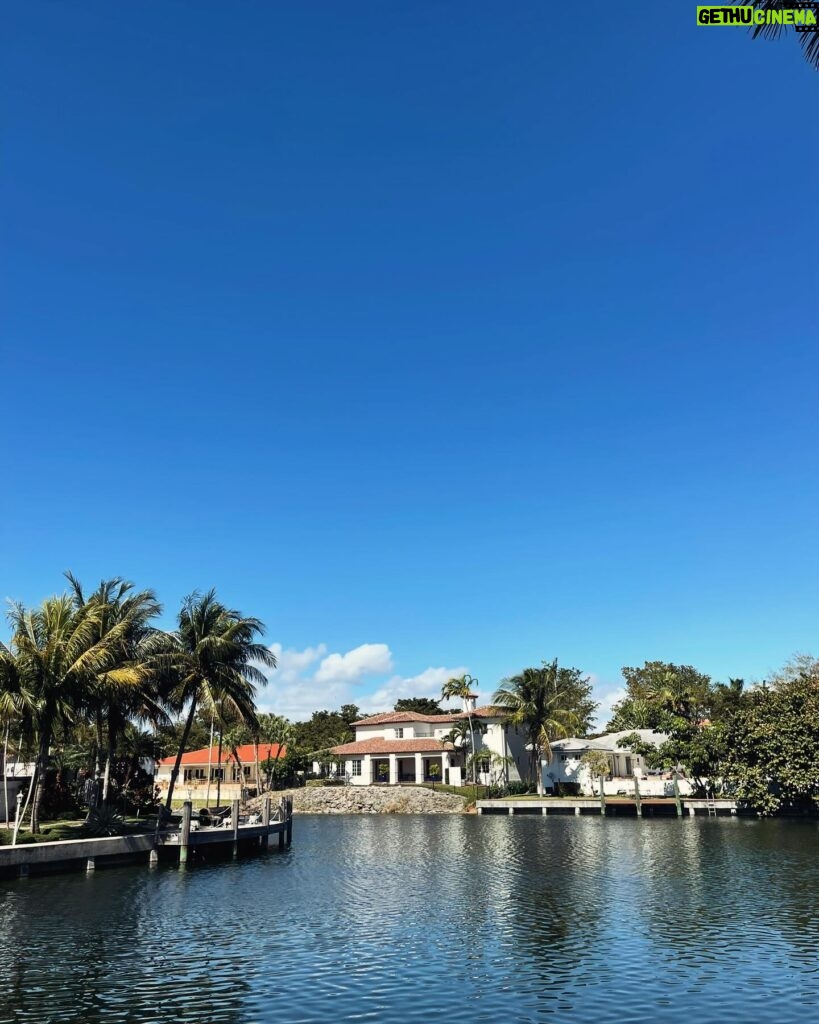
(233, 736)
(460, 736)
(274, 729)
(463, 687)
(124, 692)
(57, 648)
(536, 701)
(213, 659)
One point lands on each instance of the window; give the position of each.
(355, 768)
(399, 734)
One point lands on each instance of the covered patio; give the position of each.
(412, 769)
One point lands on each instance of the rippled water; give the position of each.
(402, 919)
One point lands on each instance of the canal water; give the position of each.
(455, 919)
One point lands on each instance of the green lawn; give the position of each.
(56, 831)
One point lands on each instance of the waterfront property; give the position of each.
(403, 747)
(182, 838)
(236, 778)
(567, 769)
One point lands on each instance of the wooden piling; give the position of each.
(602, 796)
(153, 858)
(234, 821)
(265, 839)
(289, 820)
(185, 833)
(677, 800)
(90, 866)
(637, 802)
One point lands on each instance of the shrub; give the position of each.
(105, 821)
(519, 788)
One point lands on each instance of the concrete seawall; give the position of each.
(175, 845)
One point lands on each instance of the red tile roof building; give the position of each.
(210, 755)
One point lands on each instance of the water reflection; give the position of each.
(404, 919)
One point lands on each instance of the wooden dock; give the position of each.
(647, 807)
(178, 845)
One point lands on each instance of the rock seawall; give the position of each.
(370, 800)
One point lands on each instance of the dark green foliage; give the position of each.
(658, 692)
(104, 821)
(420, 705)
(550, 702)
(772, 746)
(325, 729)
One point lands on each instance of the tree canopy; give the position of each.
(420, 705)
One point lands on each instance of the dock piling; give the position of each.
(185, 833)
(234, 821)
(637, 801)
(264, 841)
(603, 795)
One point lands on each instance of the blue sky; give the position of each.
(438, 336)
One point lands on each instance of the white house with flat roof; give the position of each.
(566, 765)
(405, 747)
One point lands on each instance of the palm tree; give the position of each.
(124, 692)
(460, 736)
(462, 687)
(57, 648)
(233, 736)
(809, 41)
(274, 729)
(214, 660)
(536, 701)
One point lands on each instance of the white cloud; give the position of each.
(608, 698)
(311, 680)
(366, 660)
(290, 663)
(426, 684)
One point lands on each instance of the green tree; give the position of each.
(772, 744)
(56, 650)
(675, 700)
(325, 729)
(125, 692)
(461, 737)
(546, 703)
(213, 659)
(274, 729)
(462, 687)
(657, 692)
(419, 706)
(597, 764)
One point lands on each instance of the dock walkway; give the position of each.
(611, 807)
(177, 844)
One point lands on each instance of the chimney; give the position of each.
(470, 701)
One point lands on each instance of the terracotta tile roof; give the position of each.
(378, 745)
(386, 717)
(246, 752)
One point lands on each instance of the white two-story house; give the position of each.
(404, 747)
